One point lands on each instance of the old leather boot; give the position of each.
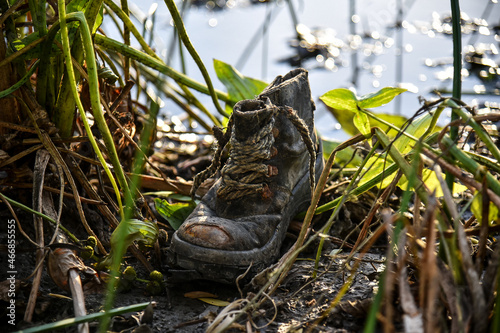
(274, 158)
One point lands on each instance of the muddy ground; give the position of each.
(298, 302)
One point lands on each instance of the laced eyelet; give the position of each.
(266, 192)
(272, 171)
(274, 152)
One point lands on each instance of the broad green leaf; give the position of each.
(432, 182)
(19, 44)
(477, 210)
(362, 123)
(145, 232)
(238, 87)
(395, 120)
(171, 195)
(417, 128)
(343, 156)
(377, 165)
(175, 213)
(346, 120)
(76, 6)
(341, 99)
(379, 98)
(98, 20)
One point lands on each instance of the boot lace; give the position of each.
(245, 170)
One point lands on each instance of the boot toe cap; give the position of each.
(204, 228)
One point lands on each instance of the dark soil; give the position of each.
(298, 302)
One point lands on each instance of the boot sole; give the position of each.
(226, 266)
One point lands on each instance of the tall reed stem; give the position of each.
(457, 72)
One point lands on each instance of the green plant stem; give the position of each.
(371, 320)
(51, 220)
(64, 116)
(394, 127)
(402, 163)
(37, 9)
(113, 45)
(483, 160)
(120, 249)
(495, 325)
(361, 189)
(166, 87)
(471, 165)
(111, 65)
(94, 99)
(343, 198)
(478, 129)
(19, 83)
(113, 18)
(22, 51)
(83, 319)
(434, 120)
(128, 25)
(457, 72)
(457, 53)
(193, 100)
(189, 46)
(126, 37)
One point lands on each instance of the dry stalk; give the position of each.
(480, 315)
(42, 159)
(429, 282)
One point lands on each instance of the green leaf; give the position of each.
(417, 128)
(175, 213)
(477, 210)
(379, 98)
(98, 21)
(378, 165)
(238, 87)
(144, 232)
(341, 99)
(76, 6)
(343, 156)
(362, 123)
(171, 195)
(432, 182)
(343, 104)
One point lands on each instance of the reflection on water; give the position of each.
(356, 44)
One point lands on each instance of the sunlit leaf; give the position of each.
(99, 19)
(362, 123)
(477, 210)
(214, 301)
(238, 87)
(432, 182)
(417, 128)
(379, 98)
(346, 120)
(175, 213)
(377, 165)
(145, 232)
(340, 99)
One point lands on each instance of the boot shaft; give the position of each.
(267, 150)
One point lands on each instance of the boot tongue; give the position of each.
(250, 116)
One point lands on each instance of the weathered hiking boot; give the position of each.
(274, 159)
